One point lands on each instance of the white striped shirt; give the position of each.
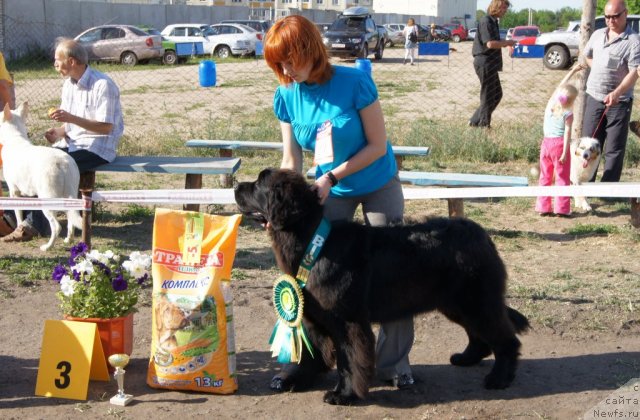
(94, 97)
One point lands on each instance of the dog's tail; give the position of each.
(519, 321)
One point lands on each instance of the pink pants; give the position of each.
(550, 153)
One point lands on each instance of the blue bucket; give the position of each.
(364, 64)
(207, 73)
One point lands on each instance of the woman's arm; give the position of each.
(291, 150)
(568, 124)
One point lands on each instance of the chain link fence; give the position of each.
(167, 104)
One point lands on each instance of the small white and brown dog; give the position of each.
(37, 171)
(585, 157)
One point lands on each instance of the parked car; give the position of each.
(121, 43)
(384, 34)
(323, 26)
(395, 35)
(228, 34)
(503, 34)
(170, 56)
(259, 25)
(458, 31)
(354, 33)
(471, 33)
(561, 47)
(519, 32)
(424, 33)
(219, 42)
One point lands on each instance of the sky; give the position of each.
(552, 5)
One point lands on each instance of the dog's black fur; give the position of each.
(374, 274)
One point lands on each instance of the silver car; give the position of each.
(221, 40)
(121, 43)
(396, 36)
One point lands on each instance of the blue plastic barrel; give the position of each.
(364, 64)
(207, 72)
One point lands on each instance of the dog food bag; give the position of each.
(192, 340)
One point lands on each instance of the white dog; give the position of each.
(585, 157)
(41, 171)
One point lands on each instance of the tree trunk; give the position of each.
(586, 29)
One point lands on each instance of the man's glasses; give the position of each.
(616, 16)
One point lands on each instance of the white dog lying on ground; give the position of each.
(585, 157)
(41, 171)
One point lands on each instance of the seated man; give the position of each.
(92, 122)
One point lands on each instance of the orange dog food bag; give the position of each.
(192, 340)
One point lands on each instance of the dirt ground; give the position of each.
(580, 292)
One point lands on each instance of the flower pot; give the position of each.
(116, 334)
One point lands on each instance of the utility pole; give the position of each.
(586, 29)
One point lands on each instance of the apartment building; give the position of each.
(274, 9)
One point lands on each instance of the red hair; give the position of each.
(295, 39)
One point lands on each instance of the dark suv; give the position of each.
(354, 34)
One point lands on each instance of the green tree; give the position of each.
(633, 6)
(546, 20)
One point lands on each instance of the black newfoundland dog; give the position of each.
(374, 274)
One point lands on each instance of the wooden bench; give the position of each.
(452, 180)
(226, 148)
(192, 167)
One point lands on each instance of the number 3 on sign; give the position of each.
(71, 355)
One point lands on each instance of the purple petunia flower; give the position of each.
(76, 275)
(142, 279)
(80, 249)
(58, 272)
(119, 284)
(105, 268)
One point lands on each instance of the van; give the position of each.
(259, 25)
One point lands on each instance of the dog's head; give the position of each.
(588, 149)
(12, 121)
(280, 197)
(169, 317)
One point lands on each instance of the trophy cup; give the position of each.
(119, 361)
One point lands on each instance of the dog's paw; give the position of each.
(336, 398)
(494, 381)
(585, 207)
(465, 359)
(280, 384)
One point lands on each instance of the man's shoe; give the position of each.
(404, 381)
(23, 233)
(634, 126)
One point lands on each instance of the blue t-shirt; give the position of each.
(307, 106)
(554, 124)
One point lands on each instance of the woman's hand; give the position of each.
(322, 187)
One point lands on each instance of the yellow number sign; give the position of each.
(71, 355)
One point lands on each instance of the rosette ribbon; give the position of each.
(289, 334)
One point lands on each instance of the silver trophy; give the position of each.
(119, 361)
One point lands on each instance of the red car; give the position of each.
(458, 31)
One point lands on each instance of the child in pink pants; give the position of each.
(555, 158)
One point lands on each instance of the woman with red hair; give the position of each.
(335, 111)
